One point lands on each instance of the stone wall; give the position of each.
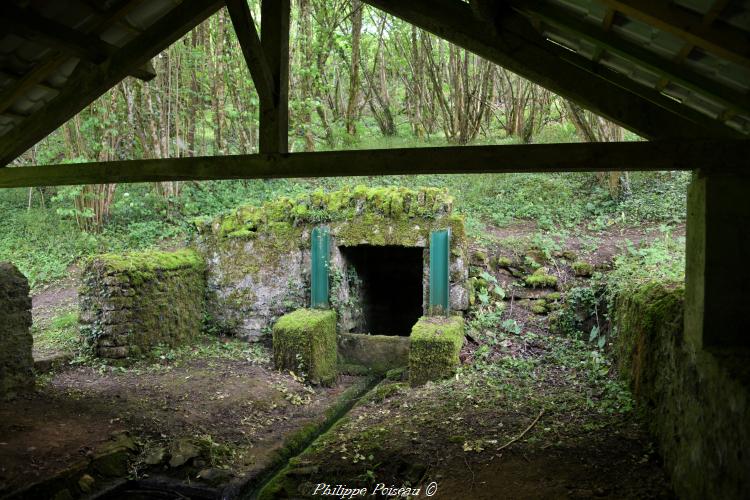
(133, 302)
(16, 362)
(697, 402)
(258, 258)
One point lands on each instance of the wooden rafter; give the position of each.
(88, 86)
(519, 48)
(50, 62)
(267, 58)
(563, 20)
(252, 50)
(89, 47)
(727, 42)
(724, 155)
(708, 18)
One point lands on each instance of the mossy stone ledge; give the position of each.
(435, 343)
(304, 341)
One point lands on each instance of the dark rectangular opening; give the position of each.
(389, 287)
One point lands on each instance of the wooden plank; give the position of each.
(729, 155)
(28, 24)
(80, 92)
(727, 42)
(244, 27)
(563, 20)
(274, 119)
(516, 46)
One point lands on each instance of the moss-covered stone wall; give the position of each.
(16, 362)
(130, 303)
(697, 402)
(259, 257)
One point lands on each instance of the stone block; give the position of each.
(379, 353)
(132, 302)
(435, 343)
(304, 341)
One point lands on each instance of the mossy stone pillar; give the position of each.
(16, 361)
(717, 284)
(304, 341)
(435, 343)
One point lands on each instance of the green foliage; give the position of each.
(59, 334)
(38, 241)
(583, 269)
(661, 261)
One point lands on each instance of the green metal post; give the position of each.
(320, 251)
(440, 242)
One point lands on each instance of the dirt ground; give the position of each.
(242, 405)
(528, 415)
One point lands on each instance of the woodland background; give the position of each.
(358, 79)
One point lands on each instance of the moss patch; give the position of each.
(582, 269)
(304, 341)
(541, 279)
(434, 346)
(396, 203)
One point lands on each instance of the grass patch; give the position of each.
(60, 334)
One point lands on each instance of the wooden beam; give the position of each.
(516, 46)
(563, 20)
(146, 73)
(729, 155)
(255, 58)
(609, 19)
(80, 92)
(487, 10)
(274, 119)
(29, 24)
(727, 42)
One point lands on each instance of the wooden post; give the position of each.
(274, 33)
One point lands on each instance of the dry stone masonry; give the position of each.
(131, 303)
(697, 402)
(16, 362)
